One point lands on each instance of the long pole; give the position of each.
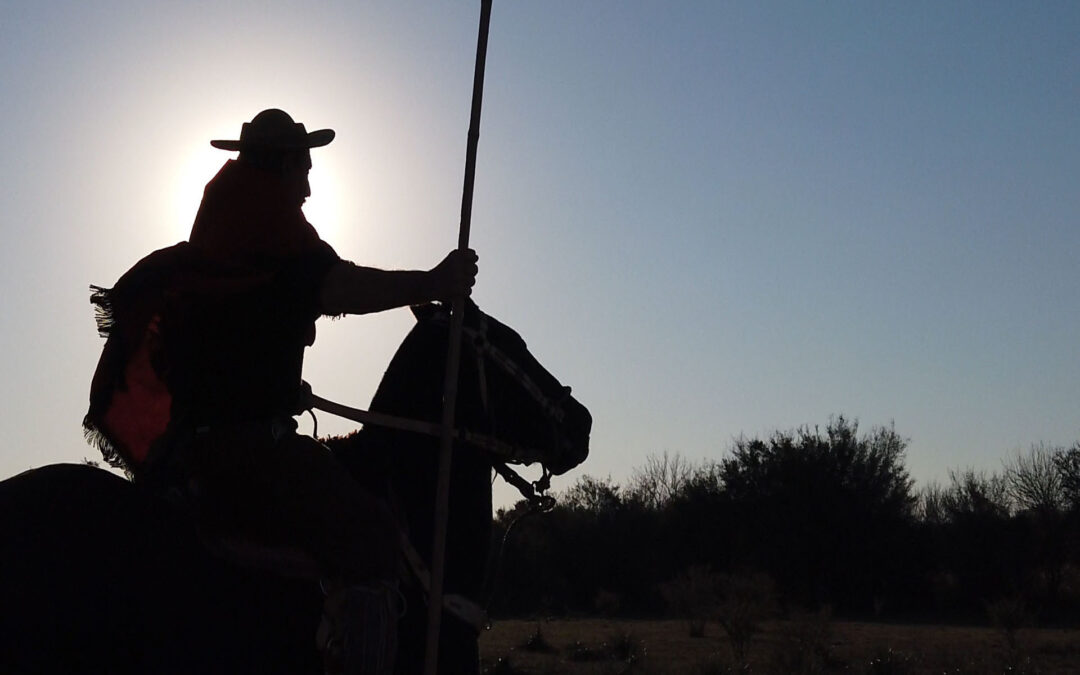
(453, 358)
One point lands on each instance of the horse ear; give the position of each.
(432, 311)
(423, 312)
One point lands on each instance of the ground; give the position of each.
(810, 644)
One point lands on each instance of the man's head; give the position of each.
(291, 165)
(274, 142)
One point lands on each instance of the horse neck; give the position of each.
(413, 387)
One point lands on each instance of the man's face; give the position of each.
(295, 172)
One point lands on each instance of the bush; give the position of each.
(692, 596)
(743, 602)
(1009, 614)
(624, 646)
(806, 644)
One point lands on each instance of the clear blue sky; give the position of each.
(709, 218)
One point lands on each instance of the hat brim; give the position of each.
(314, 139)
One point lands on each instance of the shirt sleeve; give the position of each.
(299, 280)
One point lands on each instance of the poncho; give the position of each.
(210, 331)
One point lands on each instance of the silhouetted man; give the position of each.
(199, 380)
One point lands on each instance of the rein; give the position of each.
(482, 441)
(532, 492)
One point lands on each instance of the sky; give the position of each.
(711, 219)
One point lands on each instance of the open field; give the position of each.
(808, 645)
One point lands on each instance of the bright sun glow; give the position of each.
(194, 170)
(321, 208)
(200, 164)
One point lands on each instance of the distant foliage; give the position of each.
(834, 505)
(661, 479)
(1034, 482)
(829, 515)
(592, 495)
(974, 494)
(1068, 466)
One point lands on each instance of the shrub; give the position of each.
(692, 596)
(743, 602)
(805, 645)
(625, 646)
(1009, 614)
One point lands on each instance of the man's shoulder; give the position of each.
(161, 262)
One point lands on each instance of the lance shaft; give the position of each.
(453, 358)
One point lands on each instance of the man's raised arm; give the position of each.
(352, 289)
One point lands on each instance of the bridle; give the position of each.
(552, 408)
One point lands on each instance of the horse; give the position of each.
(99, 575)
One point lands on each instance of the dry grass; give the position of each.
(808, 645)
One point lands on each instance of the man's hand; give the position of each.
(456, 274)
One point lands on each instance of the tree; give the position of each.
(1034, 481)
(661, 479)
(930, 504)
(1068, 466)
(823, 513)
(593, 495)
(978, 544)
(976, 494)
(1037, 485)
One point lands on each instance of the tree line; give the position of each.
(815, 518)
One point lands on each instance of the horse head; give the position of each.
(512, 407)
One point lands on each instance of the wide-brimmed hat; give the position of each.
(274, 129)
